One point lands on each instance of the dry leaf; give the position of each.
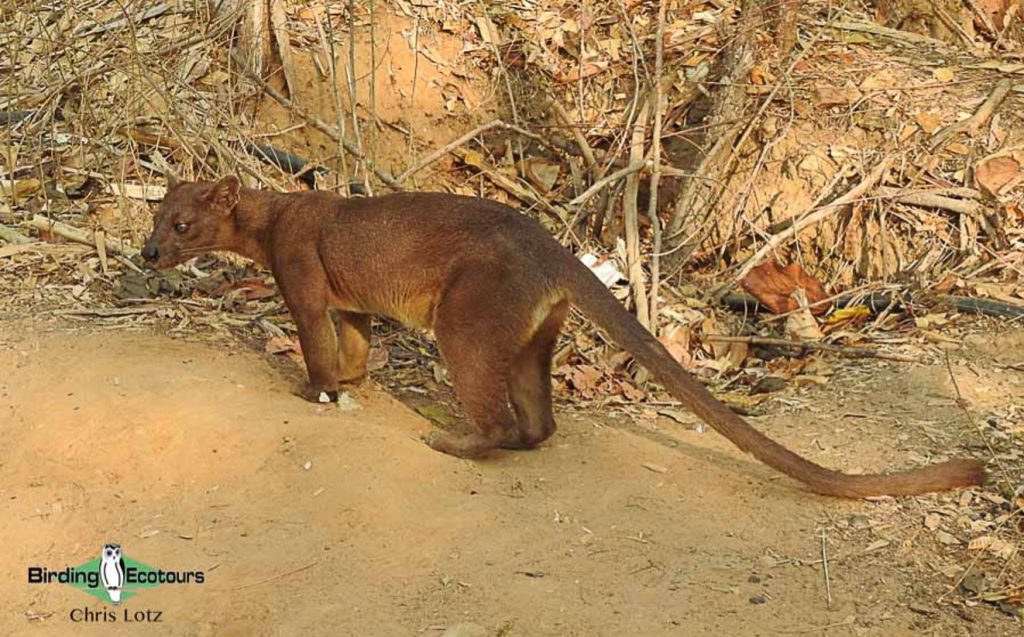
(999, 173)
(542, 173)
(488, 31)
(587, 69)
(829, 96)
(585, 379)
(996, 9)
(20, 187)
(944, 74)
(377, 359)
(473, 158)
(801, 324)
(931, 320)
(993, 545)
(760, 76)
(677, 341)
(773, 286)
(282, 345)
(929, 122)
(852, 313)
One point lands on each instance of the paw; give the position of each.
(313, 395)
(437, 441)
(514, 440)
(353, 380)
(468, 446)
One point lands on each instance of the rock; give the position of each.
(767, 385)
(466, 629)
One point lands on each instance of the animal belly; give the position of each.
(414, 311)
(417, 311)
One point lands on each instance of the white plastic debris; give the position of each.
(608, 270)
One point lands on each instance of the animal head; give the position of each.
(191, 221)
(111, 552)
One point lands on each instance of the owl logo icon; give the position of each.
(112, 571)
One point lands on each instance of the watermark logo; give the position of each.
(112, 577)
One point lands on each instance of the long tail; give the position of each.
(591, 296)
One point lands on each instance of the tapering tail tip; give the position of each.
(929, 479)
(944, 476)
(967, 473)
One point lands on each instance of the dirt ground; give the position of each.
(313, 520)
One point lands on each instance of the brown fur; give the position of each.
(492, 285)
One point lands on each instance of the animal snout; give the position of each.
(150, 253)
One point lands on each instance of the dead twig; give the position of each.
(608, 179)
(327, 40)
(697, 196)
(813, 216)
(962, 404)
(578, 137)
(353, 94)
(514, 188)
(39, 222)
(117, 23)
(932, 200)
(272, 578)
(810, 346)
(968, 207)
(441, 152)
(824, 563)
(105, 312)
(279, 25)
(904, 37)
(973, 124)
(658, 98)
(634, 264)
(316, 123)
(10, 235)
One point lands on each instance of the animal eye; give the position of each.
(180, 228)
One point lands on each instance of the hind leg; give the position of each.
(529, 383)
(353, 344)
(478, 339)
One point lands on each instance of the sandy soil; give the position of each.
(313, 520)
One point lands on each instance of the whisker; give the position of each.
(198, 249)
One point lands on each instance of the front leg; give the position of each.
(306, 297)
(353, 344)
(320, 351)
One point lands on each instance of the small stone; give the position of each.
(754, 579)
(859, 521)
(921, 609)
(767, 562)
(757, 599)
(346, 402)
(466, 629)
(767, 385)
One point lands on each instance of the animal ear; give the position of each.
(225, 194)
(172, 179)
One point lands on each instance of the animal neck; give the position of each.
(254, 217)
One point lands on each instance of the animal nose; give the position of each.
(150, 253)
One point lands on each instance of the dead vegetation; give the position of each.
(685, 149)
